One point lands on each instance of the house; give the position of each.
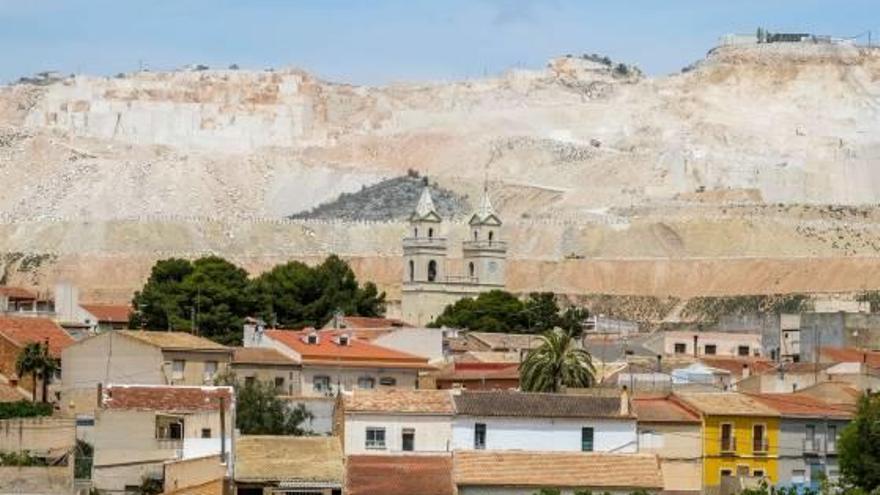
(204, 475)
(672, 431)
(22, 302)
(336, 360)
(478, 376)
(104, 317)
(47, 440)
(785, 378)
(137, 357)
(509, 420)
(808, 433)
(525, 473)
(396, 422)
(834, 393)
(266, 365)
(284, 464)
(16, 332)
(740, 437)
(837, 329)
(341, 322)
(501, 342)
(712, 344)
(139, 427)
(399, 475)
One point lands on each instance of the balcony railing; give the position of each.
(499, 245)
(424, 241)
(760, 445)
(175, 444)
(728, 445)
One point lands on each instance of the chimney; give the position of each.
(659, 363)
(747, 372)
(624, 402)
(100, 394)
(696, 348)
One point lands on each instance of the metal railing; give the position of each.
(728, 445)
(760, 445)
(484, 244)
(424, 241)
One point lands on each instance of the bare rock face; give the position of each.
(736, 158)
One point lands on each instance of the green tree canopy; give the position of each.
(557, 361)
(34, 359)
(500, 311)
(259, 411)
(213, 296)
(859, 446)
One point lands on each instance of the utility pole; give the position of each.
(223, 430)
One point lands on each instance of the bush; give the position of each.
(24, 409)
(23, 459)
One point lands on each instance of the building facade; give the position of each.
(428, 287)
(671, 430)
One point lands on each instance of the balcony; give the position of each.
(760, 445)
(728, 445)
(485, 245)
(425, 242)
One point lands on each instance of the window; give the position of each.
(480, 436)
(471, 269)
(832, 438)
(416, 232)
(742, 350)
(412, 270)
(206, 433)
(810, 438)
(249, 381)
(343, 340)
(430, 233)
(587, 439)
(375, 438)
(321, 383)
(798, 476)
(710, 349)
(726, 472)
(279, 383)
(177, 367)
(728, 444)
(758, 473)
(366, 382)
(491, 236)
(759, 439)
(432, 271)
(475, 235)
(388, 381)
(680, 348)
(408, 440)
(312, 339)
(210, 370)
(175, 431)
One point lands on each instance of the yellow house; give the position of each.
(740, 437)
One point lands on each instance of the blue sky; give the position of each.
(381, 41)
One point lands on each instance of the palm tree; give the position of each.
(29, 362)
(34, 359)
(555, 363)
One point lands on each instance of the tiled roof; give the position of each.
(260, 355)
(851, 355)
(17, 293)
(370, 322)
(464, 372)
(662, 410)
(24, 330)
(214, 487)
(557, 469)
(803, 406)
(355, 353)
(488, 357)
(171, 341)
(726, 404)
(289, 459)
(399, 475)
(400, 401)
(523, 404)
(166, 398)
(113, 313)
(8, 393)
(735, 365)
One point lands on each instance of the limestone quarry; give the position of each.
(754, 173)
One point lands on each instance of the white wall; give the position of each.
(432, 433)
(424, 342)
(347, 378)
(546, 434)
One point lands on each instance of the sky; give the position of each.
(386, 41)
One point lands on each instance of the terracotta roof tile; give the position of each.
(174, 340)
(166, 398)
(289, 459)
(400, 401)
(213, 487)
(480, 371)
(662, 410)
(260, 355)
(24, 330)
(506, 341)
(113, 313)
(17, 293)
(399, 475)
(9, 393)
(350, 322)
(726, 404)
(356, 352)
(851, 355)
(736, 365)
(804, 406)
(557, 469)
(523, 404)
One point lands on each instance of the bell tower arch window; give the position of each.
(471, 269)
(430, 233)
(491, 236)
(475, 235)
(412, 270)
(432, 271)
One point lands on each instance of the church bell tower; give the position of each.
(485, 254)
(424, 250)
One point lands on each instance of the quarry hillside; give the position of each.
(756, 172)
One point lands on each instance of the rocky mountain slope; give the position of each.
(749, 173)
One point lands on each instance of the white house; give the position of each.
(397, 422)
(508, 420)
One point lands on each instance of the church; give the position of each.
(428, 287)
